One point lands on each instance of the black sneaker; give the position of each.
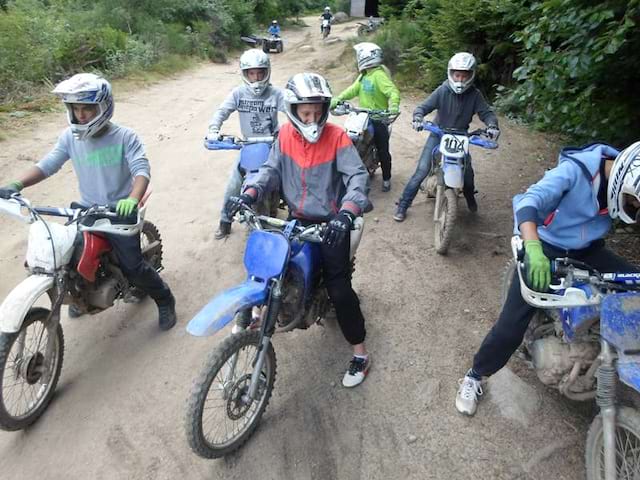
(74, 311)
(223, 230)
(167, 314)
(401, 214)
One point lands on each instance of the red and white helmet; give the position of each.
(461, 61)
(307, 88)
(624, 185)
(255, 58)
(368, 55)
(86, 88)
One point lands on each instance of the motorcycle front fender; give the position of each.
(217, 314)
(17, 304)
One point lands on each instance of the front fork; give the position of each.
(266, 332)
(606, 400)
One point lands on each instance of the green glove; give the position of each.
(334, 102)
(126, 206)
(537, 265)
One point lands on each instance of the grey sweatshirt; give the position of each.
(456, 110)
(105, 166)
(258, 115)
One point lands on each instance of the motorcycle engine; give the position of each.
(553, 359)
(103, 293)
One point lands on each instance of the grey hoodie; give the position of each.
(258, 115)
(456, 110)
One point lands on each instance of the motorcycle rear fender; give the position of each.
(17, 304)
(217, 314)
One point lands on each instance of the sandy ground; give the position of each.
(119, 405)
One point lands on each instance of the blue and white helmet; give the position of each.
(624, 185)
(86, 88)
(307, 88)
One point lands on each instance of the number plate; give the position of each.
(454, 146)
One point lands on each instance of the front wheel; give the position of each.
(447, 210)
(28, 371)
(220, 417)
(627, 446)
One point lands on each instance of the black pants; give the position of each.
(337, 279)
(381, 139)
(137, 269)
(506, 335)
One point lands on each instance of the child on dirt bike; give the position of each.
(326, 15)
(112, 168)
(274, 29)
(322, 180)
(566, 214)
(257, 103)
(375, 90)
(456, 101)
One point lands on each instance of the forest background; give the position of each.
(565, 66)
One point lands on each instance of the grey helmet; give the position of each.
(624, 182)
(89, 89)
(461, 61)
(255, 58)
(368, 55)
(307, 88)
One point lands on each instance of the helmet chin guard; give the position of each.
(624, 185)
(465, 62)
(306, 88)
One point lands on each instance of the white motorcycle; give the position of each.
(70, 263)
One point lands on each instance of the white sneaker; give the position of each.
(468, 393)
(357, 372)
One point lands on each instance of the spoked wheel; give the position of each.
(627, 446)
(28, 372)
(151, 244)
(220, 417)
(447, 200)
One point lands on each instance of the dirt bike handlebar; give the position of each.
(477, 137)
(312, 233)
(384, 116)
(231, 142)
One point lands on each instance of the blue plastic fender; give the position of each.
(253, 156)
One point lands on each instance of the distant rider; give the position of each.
(274, 29)
(456, 101)
(326, 15)
(257, 103)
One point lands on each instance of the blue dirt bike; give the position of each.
(583, 341)
(450, 160)
(284, 283)
(254, 152)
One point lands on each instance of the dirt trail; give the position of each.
(118, 410)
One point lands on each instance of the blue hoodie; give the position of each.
(564, 203)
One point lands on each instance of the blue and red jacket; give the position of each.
(317, 179)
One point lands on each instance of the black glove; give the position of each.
(234, 204)
(417, 124)
(493, 132)
(8, 190)
(338, 229)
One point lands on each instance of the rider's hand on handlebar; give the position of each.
(234, 204)
(537, 265)
(213, 135)
(394, 110)
(11, 189)
(126, 206)
(338, 229)
(417, 124)
(334, 103)
(493, 132)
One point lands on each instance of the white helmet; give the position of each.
(461, 61)
(327, 9)
(624, 180)
(255, 58)
(307, 88)
(86, 88)
(368, 55)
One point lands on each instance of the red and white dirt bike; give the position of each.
(69, 263)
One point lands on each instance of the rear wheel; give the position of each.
(279, 48)
(220, 418)
(28, 372)
(447, 200)
(627, 440)
(151, 245)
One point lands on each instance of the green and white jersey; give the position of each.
(105, 166)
